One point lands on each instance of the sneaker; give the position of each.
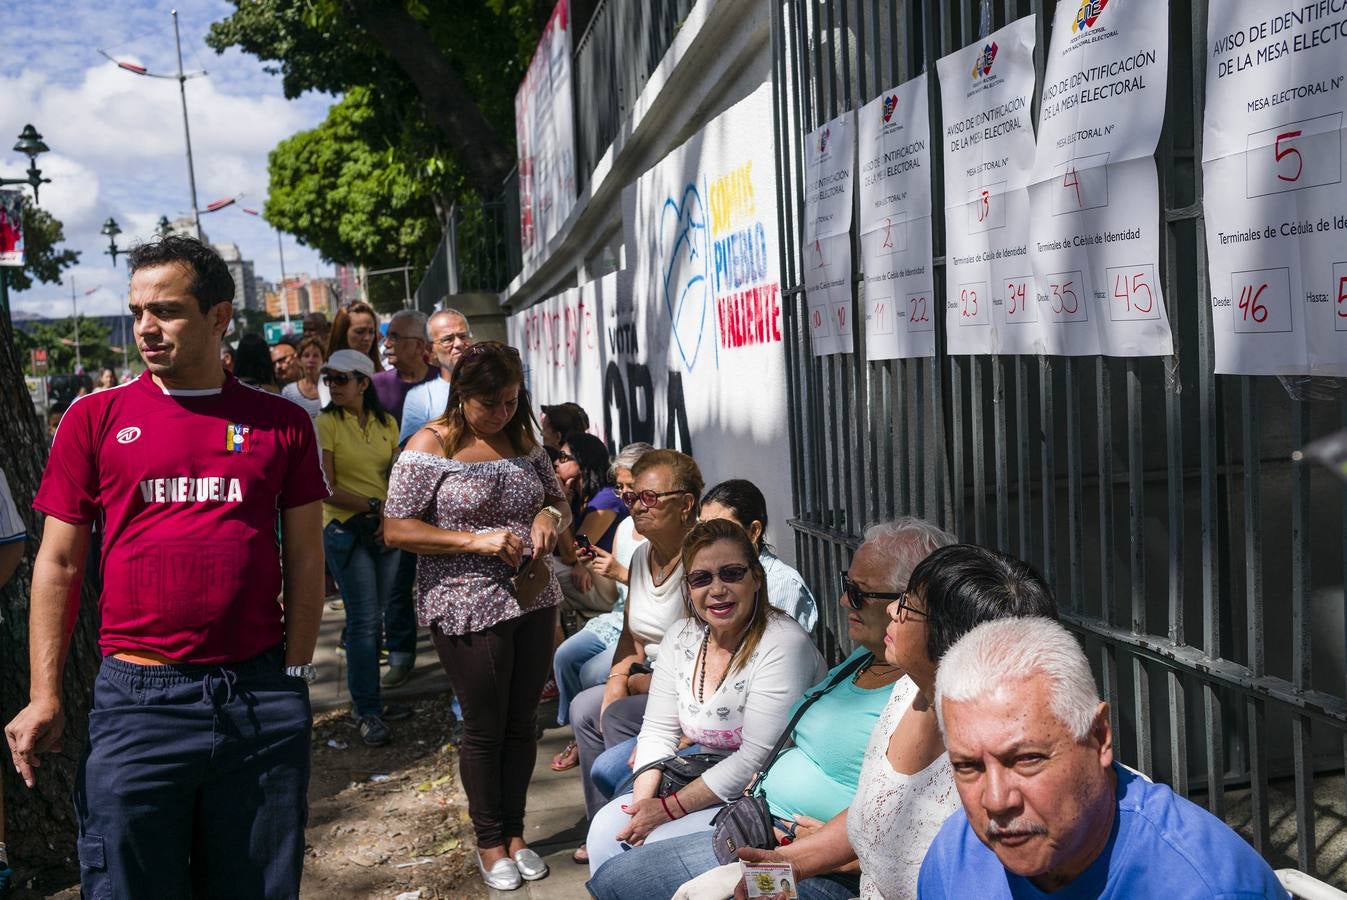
(396, 712)
(550, 691)
(6, 873)
(396, 676)
(336, 605)
(374, 732)
(341, 647)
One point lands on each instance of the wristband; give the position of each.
(665, 803)
(679, 802)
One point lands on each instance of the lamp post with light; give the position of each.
(217, 205)
(30, 144)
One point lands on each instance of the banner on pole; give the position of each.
(11, 228)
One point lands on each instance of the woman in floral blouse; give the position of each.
(475, 497)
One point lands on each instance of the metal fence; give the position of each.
(479, 250)
(614, 57)
(1201, 565)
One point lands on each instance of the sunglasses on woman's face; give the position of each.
(649, 499)
(564, 457)
(731, 574)
(856, 597)
(337, 378)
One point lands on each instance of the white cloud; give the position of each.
(117, 138)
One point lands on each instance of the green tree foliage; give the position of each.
(43, 259)
(58, 336)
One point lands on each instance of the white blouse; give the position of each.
(652, 608)
(894, 817)
(747, 712)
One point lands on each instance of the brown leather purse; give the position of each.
(530, 581)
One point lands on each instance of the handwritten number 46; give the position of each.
(1249, 305)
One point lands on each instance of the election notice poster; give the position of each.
(894, 155)
(11, 228)
(986, 90)
(1095, 200)
(545, 137)
(830, 163)
(1276, 208)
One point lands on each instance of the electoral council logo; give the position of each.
(890, 106)
(1088, 14)
(983, 66)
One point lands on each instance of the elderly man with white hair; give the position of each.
(405, 345)
(1046, 809)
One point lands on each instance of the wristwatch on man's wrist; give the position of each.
(306, 672)
(374, 504)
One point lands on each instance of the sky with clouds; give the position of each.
(116, 139)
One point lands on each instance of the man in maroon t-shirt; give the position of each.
(196, 773)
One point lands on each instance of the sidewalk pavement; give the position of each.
(555, 818)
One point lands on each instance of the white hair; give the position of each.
(415, 318)
(906, 541)
(628, 456)
(1009, 649)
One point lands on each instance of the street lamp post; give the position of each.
(181, 77)
(29, 144)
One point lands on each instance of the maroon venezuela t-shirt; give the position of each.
(187, 486)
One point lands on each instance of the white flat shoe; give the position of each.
(504, 874)
(531, 866)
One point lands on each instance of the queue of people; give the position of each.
(961, 748)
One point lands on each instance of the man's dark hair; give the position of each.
(566, 418)
(211, 281)
(964, 585)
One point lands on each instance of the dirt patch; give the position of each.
(383, 821)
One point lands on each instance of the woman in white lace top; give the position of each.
(727, 678)
(906, 788)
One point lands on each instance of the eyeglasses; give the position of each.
(565, 457)
(701, 578)
(448, 340)
(905, 606)
(337, 378)
(649, 499)
(856, 597)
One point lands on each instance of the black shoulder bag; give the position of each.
(746, 821)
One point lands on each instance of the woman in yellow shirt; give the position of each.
(359, 440)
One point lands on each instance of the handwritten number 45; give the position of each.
(1131, 295)
(1284, 152)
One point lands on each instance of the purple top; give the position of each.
(392, 390)
(605, 499)
(465, 592)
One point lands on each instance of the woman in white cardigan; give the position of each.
(727, 678)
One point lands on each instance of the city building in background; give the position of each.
(245, 281)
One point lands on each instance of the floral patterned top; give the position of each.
(461, 593)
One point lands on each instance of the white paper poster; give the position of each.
(545, 137)
(1272, 166)
(830, 155)
(894, 138)
(986, 90)
(1095, 200)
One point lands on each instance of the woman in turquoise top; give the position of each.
(816, 778)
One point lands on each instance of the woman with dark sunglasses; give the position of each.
(663, 504)
(582, 466)
(728, 676)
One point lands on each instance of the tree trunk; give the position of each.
(448, 104)
(40, 823)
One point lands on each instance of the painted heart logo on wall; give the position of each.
(685, 261)
(1088, 14)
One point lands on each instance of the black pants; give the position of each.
(497, 674)
(195, 781)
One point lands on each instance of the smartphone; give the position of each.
(586, 548)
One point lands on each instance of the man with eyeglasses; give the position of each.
(450, 335)
(405, 345)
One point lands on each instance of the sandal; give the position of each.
(581, 856)
(568, 758)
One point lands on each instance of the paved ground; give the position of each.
(556, 810)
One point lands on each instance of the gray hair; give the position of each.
(1005, 650)
(413, 317)
(906, 541)
(628, 456)
(446, 313)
